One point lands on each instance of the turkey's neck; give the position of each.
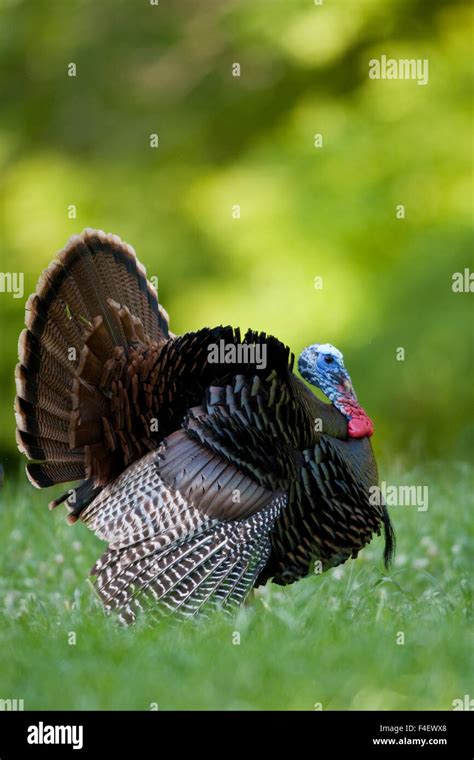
(359, 423)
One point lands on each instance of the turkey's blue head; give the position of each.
(322, 365)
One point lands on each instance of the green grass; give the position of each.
(329, 640)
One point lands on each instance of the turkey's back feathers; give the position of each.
(266, 428)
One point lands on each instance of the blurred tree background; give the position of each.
(306, 211)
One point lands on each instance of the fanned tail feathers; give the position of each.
(91, 305)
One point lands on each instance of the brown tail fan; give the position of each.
(92, 324)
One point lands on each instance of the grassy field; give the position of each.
(332, 642)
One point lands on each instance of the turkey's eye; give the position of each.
(328, 359)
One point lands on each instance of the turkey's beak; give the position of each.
(348, 388)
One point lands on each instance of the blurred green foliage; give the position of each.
(305, 211)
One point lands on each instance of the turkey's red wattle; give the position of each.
(360, 427)
(359, 423)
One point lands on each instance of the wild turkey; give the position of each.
(207, 471)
